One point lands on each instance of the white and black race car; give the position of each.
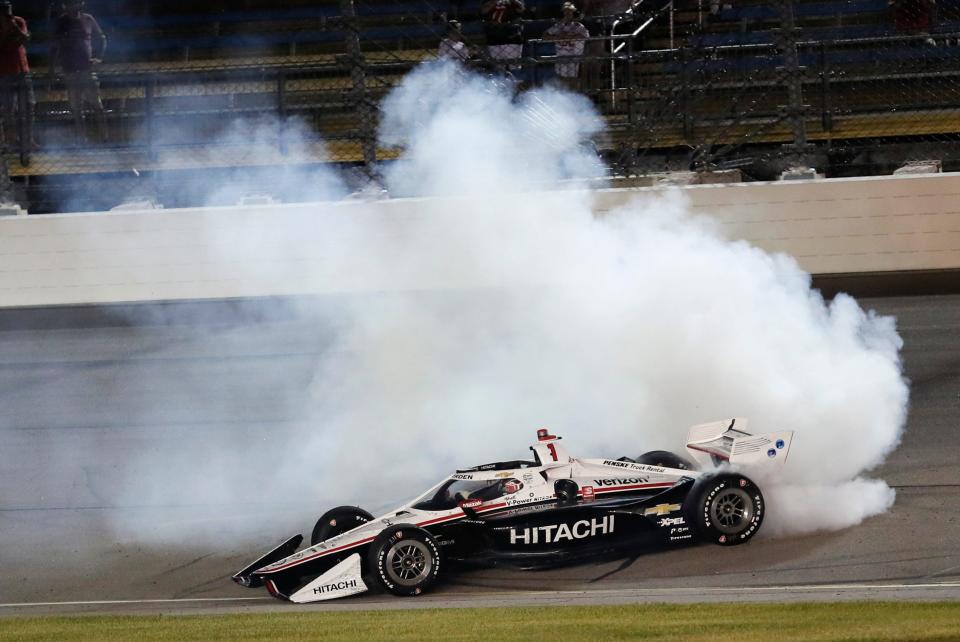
(552, 509)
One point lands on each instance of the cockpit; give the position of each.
(453, 491)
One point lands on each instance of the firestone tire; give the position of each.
(338, 520)
(404, 559)
(666, 459)
(725, 509)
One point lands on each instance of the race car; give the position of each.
(533, 513)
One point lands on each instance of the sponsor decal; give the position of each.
(461, 476)
(335, 586)
(620, 482)
(470, 503)
(780, 444)
(680, 530)
(504, 475)
(563, 532)
(511, 486)
(642, 467)
(771, 453)
(588, 493)
(662, 509)
(520, 501)
(671, 521)
(523, 506)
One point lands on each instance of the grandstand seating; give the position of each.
(183, 67)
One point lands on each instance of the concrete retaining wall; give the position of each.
(837, 226)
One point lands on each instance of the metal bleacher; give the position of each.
(177, 72)
(863, 83)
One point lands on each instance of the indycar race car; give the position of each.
(552, 509)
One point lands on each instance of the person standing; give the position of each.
(78, 46)
(503, 30)
(569, 36)
(16, 86)
(452, 47)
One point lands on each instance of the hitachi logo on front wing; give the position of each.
(336, 586)
(560, 532)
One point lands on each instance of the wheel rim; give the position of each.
(731, 510)
(409, 562)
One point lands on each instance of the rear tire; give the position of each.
(666, 459)
(338, 520)
(404, 559)
(725, 509)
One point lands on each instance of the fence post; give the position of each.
(631, 89)
(672, 27)
(685, 93)
(794, 110)
(826, 107)
(282, 110)
(149, 91)
(24, 119)
(358, 80)
(7, 195)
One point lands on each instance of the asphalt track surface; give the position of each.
(85, 387)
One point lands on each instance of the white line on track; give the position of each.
(515, 594)
(183, 600)
(800, 587)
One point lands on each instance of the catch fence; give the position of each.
(842, 87)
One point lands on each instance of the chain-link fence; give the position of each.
(846, 87)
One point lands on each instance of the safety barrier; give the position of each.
(884, 224)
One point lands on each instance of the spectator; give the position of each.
(79, 45)
(16, 87)
(569, 36)
(452, 47)
(913, 17)
(503, 30)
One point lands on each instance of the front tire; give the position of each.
(725, 509)
(404, 559)
(336, 521)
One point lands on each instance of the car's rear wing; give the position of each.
(729, 441)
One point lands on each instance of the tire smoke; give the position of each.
(504, 305)
(617, 332)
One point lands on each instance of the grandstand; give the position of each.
(680, 89)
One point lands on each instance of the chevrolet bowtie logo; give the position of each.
(662, 509)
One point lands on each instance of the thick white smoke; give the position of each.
(617, 332)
